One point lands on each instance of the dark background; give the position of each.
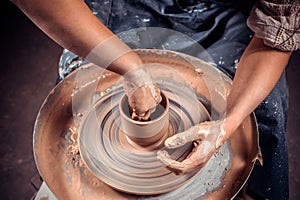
(28, 71)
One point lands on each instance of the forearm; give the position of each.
(258, 71)
(73, 26)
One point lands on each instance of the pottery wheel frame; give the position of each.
(57, 156)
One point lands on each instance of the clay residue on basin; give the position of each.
(60, 164)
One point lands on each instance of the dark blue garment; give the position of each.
(205, 22)
(221, 29)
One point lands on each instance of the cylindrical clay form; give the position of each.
(146, 133)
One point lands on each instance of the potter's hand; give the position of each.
(143, 94)
(207, 137)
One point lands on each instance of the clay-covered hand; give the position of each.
(207, 137)
(143, 93)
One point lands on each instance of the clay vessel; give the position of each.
(145, 133)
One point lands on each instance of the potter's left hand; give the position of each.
(143, 93)
(207, 137)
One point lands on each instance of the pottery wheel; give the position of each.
(82, 111)
(123, 164)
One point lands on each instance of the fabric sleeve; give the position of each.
(277, 22)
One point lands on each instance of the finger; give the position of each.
(155, 92)
(194, 161)
(197, 157)
(171, 164)
(181, 138)
(197, 145)
(165, 158)
(183, 167)
(143, 117)
(157, 97)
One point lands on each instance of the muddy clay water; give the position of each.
(107, 165)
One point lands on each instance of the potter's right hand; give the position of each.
(143, 93)
(207, 137)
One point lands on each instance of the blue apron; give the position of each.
(220, 27)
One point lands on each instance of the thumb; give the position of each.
(182, 138)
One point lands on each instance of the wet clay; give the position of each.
(68, 177)
(145, 133)
(126, 161)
